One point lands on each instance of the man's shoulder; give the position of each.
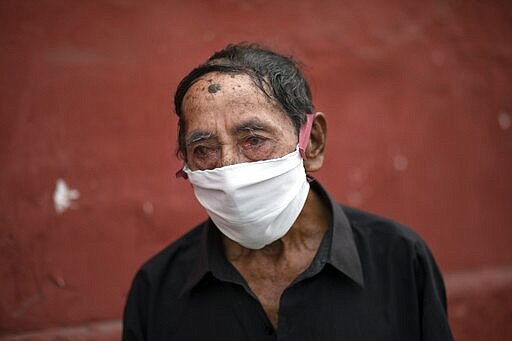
(383, 242)
(379, 229)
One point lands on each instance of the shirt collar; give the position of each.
(342, 255)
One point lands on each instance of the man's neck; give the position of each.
(270, 270)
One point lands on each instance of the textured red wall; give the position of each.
(418, 100)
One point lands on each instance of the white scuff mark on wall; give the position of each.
(208, 35)
(504, 120)
(400, 162)
(57, 280)
(355, 199)
(148, 208)
(63, 196)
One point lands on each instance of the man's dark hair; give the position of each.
(279, 77)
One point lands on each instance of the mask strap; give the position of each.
(304, 133)
(181, 173)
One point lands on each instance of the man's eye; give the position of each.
(253, 141)
(202, 151)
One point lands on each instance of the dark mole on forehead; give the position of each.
(213, 88)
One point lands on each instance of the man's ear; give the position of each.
(316, 146)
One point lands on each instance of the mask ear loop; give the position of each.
(181, 173)
(304, 133)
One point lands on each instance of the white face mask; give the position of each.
(253, 203)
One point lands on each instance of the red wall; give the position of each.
(419, 106)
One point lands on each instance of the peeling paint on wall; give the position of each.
(63, 196)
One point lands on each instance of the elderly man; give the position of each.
(278, 258)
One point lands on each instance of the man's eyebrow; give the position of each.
(197, 136)
(252, 125)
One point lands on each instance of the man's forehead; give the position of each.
(217, 89)
(229, 99)
(210, 82)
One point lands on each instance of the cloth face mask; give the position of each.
(253, 203)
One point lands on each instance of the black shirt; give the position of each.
(371, 279)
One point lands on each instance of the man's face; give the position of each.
(229, 120)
